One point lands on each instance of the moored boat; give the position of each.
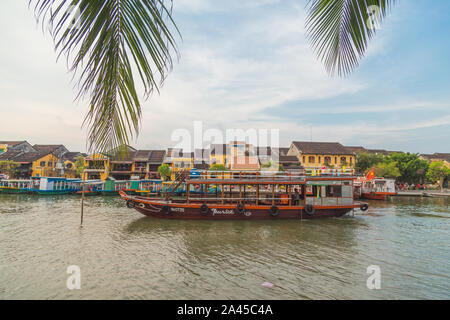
(247, 196)
(377, 189)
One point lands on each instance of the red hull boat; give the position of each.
(377, 195)
(252, 197)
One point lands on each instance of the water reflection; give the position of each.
(125, 255)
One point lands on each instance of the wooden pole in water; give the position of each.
(82, 199)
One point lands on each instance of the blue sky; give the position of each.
(246, 64)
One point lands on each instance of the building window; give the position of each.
(335, 160)
(42, 164)
(351, 160)
(304, 159)
(327, 160)
(343, 160)
(50, 163)
(311, 159)
(320, 161)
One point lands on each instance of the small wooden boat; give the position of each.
(253, 196)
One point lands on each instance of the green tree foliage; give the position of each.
(437, 172)
(9, 168)
(412, 169)
(387, 170)
(340, 30)
(108, 44)
(405, 167)
(218, 167)
(164, 171)
(79, 166)
(366, 161)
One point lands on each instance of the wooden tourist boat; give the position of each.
(248, 196)
(377, 188)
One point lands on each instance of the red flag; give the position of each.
(370, 175)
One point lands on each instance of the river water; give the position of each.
(123, 255)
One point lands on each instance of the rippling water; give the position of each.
(123, 255)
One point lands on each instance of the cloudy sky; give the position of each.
(246, 64)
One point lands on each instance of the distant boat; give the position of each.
(56, 186)
(374, 189)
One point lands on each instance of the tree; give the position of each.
(437, 172)
(218, 167)
(79, 166)
(412, 168)
(104, 41)
(164, 171)
(387, 170)
(8, 167)
(339, 30)
(366, 161)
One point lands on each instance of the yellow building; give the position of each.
(226, 154)
(444, 157)
(69, 168)
(320, 154)
(181, 161)
(45, 166)
(96, 167)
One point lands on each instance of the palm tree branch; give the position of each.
(105, 43)
(339, 30)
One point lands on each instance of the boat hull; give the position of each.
(377, 195)
(160, 209)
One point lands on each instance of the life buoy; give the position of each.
(130, 204)
(364, 206)
(274, 211)
(165, 209)
(204, 209)
(310, 210)
(240, 208)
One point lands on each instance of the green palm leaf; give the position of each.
(339, 30)
(105, 43)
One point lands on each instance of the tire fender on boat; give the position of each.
(274, 211)
(240, 208)
(165, 209)
(364, 206)
(130, 204)
(310, 210)
(204, 209)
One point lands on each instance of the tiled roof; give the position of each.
(11, 143)
(356, 149)
(47, 147)
(321, 148)
(157, 156)
(142, 155)
(174, 152)
(443, 156)
(72, 156)
(30, 156)
(125, 157)
(9, 155)
(288, 159)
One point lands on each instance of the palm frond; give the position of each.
(339, 30)
(105, 41)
